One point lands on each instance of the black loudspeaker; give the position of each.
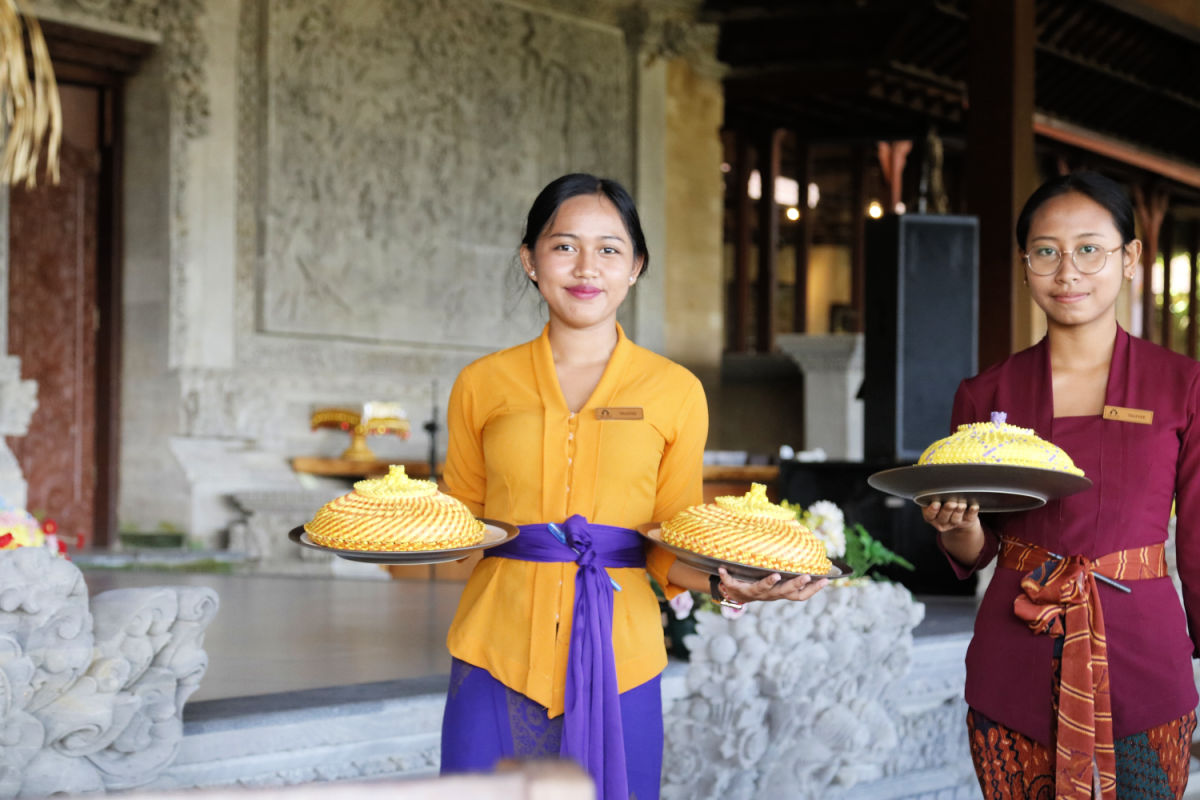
(921, 329)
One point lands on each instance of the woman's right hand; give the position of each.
(952, 515)
(958, 526)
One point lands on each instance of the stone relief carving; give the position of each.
(662, 30)
(184, 47)
(793, 699)
(403, 144)
(269, 407)
(92, 699)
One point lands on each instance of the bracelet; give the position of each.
(714, 589)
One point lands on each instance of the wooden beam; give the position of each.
(1001, 172)
(768, 241)
(858, 235)
(1193, 336)
(1117, 150)
(739, 319)
(1166, 243)
(804, 237)
(1150, 208)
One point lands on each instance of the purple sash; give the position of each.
(592, 733)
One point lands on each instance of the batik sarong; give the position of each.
(1152, 764)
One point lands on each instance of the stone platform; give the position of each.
(314, 680)
(301, 636)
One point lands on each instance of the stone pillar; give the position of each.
(657, 35)
(833, 372)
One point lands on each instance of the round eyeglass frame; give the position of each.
(1074, 262)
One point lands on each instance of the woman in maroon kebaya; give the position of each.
(1071, 682)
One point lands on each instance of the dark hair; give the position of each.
(1105, 191)
(576, 184)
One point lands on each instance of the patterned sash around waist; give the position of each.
(1059, 597)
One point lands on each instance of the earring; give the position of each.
(632, 279)
(533, 274)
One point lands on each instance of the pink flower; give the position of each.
(682, 604)
(729, 612)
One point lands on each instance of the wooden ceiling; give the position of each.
(836, 70)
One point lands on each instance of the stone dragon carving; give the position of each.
(91, 699)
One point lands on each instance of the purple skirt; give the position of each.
(485, 722)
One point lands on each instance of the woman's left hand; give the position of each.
(772, 587)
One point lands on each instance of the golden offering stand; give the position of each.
(375, 419)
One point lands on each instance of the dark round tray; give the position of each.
(995, 487)
(494, 533)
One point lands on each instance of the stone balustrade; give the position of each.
(91, 698)
(820, 699)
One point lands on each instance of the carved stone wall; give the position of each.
(404, 142)
(386, 156)
(342, 189)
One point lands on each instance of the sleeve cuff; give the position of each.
(658, 563)
(991, 545)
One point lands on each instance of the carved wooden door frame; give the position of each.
(104, 62)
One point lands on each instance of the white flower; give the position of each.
(828, 523)
(682, 604)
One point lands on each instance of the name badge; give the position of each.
(624, 412)
(1138, 415)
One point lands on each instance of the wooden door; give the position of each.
(54, 318)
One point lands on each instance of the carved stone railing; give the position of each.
(809, 700)
(92, 700)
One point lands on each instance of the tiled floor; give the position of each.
(278, 634)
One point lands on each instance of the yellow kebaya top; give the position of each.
(518, 454)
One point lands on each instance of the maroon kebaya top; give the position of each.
(1136, 469)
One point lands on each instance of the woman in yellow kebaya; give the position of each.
(576, 437)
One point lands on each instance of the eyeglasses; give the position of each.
(1087, 258)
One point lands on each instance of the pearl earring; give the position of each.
(632, 278)
(533, 274)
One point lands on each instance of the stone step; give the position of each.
(391, 730)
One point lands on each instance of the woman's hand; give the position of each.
(952, 515)
(772, 587)
(957, 523)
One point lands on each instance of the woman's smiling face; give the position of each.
(1066, 223)
(583, 262)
